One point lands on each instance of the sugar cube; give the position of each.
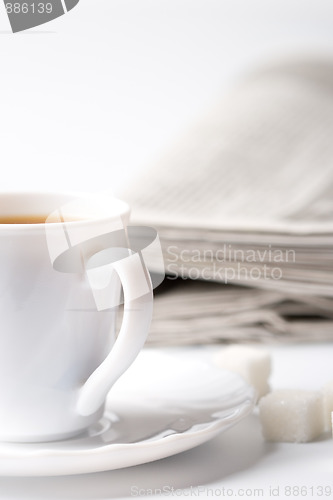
(291, 415)
(327, 392)
(252, 363)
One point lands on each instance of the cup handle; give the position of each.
(138, 308)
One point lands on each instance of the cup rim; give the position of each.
(120, 208)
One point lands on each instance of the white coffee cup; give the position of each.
(59, 355)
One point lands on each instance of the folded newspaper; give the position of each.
(243, 205)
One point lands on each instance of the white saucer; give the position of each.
(166, 403)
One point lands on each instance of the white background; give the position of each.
(103, 90)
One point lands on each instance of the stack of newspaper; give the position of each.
(243, 205)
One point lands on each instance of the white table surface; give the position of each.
(97, 94)
(237, 462)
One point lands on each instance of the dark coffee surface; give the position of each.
(25, 219)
